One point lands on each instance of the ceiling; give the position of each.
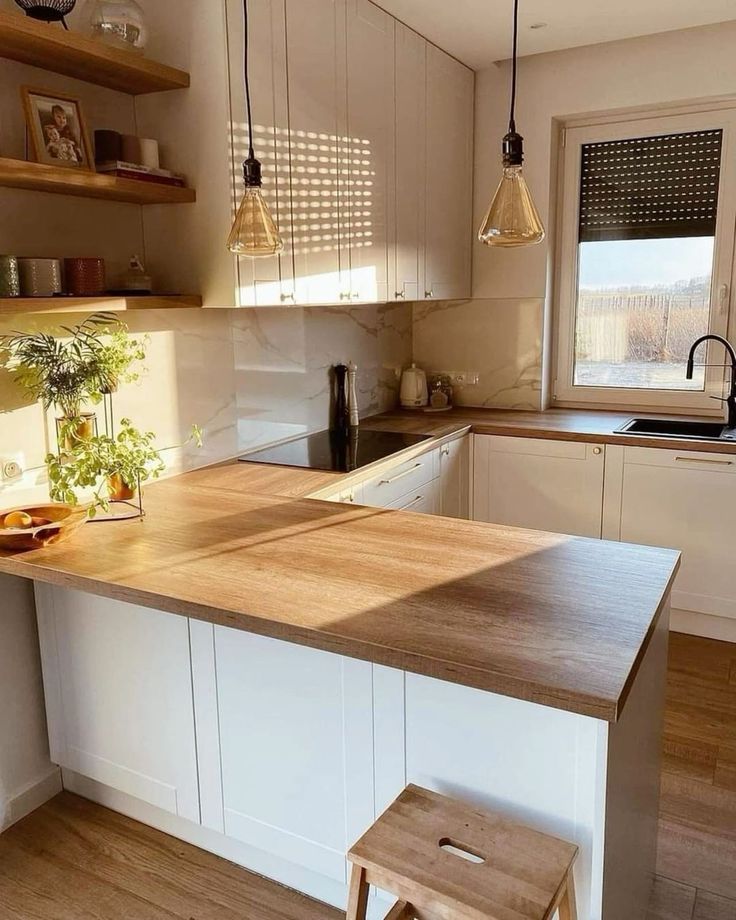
(478, 32)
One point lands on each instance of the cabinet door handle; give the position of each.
(285, 297)
(597, 450)
(414, 502)
(387, 482)
(445, 450)
(400, 295)
(703, 460)
(429, 294)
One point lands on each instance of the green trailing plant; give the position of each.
(130, 457)
(68, 372)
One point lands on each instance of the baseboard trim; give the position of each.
(702, 624)
(33, 796)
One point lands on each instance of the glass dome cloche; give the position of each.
(121, 23)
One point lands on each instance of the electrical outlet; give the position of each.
(11, 467)
(464, 378)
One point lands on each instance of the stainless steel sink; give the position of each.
(673, 428)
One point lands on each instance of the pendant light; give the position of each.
(512, 219)
(254, 232)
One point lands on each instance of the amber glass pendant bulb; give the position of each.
(254, 232)
(512, 219)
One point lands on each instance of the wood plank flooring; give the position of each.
(73, 860)
(697, 824)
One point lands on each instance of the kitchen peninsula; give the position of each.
(260, 673)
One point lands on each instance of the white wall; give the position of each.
(655, 70)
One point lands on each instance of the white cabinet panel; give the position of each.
(263, 281)
(318, 129)
(367, 151)
(121, 682)
(409, 164)
(296, 743)
(448, 230)
(455, 478)
(687, 501)
(546, 485)
(470, 744)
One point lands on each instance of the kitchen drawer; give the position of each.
(401, 479)
(424, 500)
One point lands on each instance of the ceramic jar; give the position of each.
(9, 277)
(40, 277)
(84, 277)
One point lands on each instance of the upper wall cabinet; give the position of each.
(365, 134)
(449, 190)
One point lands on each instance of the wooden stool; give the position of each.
(448, 861)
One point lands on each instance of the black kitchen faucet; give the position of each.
(731, 398)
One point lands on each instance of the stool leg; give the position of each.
(358, 894)
(567, 908)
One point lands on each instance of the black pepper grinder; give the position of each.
(341, 417)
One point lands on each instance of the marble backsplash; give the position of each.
(283, 358)
(247, 377)
(500, 341)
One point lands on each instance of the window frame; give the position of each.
(564, 392)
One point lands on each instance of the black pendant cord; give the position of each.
(512, 121)
(513, 143)
(251, 167)
(251, 155)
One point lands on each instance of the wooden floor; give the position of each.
(697, 826)
(72, 860)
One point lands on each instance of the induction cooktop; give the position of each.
(335, 451)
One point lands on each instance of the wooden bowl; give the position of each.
(63, 520)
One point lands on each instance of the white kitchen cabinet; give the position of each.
(541, 484)
(685, 500)
(410, 153)
(264, 281)
(367, 151)
(317, 79)
(118, 686)
(448, 215)
(296, 749)
(455, 478)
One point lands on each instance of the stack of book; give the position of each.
(144, 173)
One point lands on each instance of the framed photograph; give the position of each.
(56, 129)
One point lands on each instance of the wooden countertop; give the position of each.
(557, 424)
(561, 621)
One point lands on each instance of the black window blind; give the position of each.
(650, 187)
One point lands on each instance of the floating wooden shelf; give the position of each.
(39, 177)
(50, 47)
(95, 304)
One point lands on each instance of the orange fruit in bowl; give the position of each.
(18, 519)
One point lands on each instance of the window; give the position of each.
(648, 214)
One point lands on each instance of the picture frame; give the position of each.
(57, 131)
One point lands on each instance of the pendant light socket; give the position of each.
(513, 149)
(252, 173)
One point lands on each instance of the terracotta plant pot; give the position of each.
(119, 490)
(83, 431)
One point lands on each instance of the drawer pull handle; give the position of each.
(414, 502)
(387, 482)
(703, 460)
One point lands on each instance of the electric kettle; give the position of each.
(413, 387)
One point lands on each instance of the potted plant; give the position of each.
(114, 468)
(71, 372)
